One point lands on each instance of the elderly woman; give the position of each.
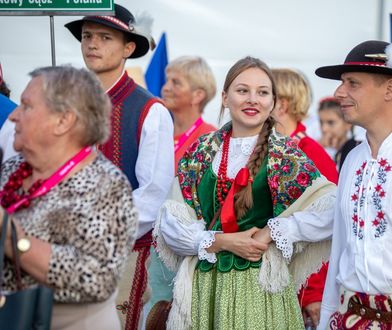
(190, 85)
(76, 235)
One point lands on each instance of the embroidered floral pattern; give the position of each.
(290, 172)
(344, 318)
(335, 322)
(194, 163)
(379, 222)
(358, 222)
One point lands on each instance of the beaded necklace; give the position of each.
(223, 182)
(9, 194)
(12, 201)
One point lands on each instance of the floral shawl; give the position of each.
(295, 184)
(289, 171)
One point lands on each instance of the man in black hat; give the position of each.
(358, 290)
(141, 143)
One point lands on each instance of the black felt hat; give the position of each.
(124, 21)
(368, 56)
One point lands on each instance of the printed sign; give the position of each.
(56, 7)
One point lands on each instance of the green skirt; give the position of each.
(234, 300)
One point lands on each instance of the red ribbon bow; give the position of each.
(228, 217)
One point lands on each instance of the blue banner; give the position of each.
(155, 76)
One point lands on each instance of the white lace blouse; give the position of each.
(194, 239)
(301, 226)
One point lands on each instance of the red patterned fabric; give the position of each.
(129, 98)
(112, 147)
(347, 320)
(316, 153)
(314, 288)
(139, 283)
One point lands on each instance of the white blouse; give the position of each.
(301, 226)
(194, 240)
(154, 167)
(361, 258)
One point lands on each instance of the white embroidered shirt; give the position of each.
(361, 256)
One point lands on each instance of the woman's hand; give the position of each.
(241, 244)
(263, 235)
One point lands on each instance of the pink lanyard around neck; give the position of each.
(180, 142)
(54, 179)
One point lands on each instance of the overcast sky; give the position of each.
(300, 34)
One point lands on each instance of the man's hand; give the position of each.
(312, 311)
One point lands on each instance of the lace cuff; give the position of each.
(206, 242)
(283, 243)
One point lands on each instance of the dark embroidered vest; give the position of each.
(131, 104)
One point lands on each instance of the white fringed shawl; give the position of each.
(275, 271)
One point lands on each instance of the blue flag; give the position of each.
(155, 75)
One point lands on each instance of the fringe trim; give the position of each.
(274, 274)
(180, 313)
(307, 258)
(171, 260)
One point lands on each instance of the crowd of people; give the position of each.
(140, 215)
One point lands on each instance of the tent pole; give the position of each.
(380, 21)
(52, 42)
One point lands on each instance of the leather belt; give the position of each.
(369, 313)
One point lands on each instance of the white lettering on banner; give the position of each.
(40, 2)
(7, 2)
(85, 1)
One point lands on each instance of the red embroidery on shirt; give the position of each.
(377, 194)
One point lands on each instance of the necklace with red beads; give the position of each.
(223, 182)
(12, 201)
(9, 195)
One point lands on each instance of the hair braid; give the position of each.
(243, 200)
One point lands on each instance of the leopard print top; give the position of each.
(90, 222)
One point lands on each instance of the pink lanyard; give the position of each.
(180, 142)
(54, 179)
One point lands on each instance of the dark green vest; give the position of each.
(258, 216)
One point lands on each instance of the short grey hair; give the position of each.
(198, 74)
(66, 88)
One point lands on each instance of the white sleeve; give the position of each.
(154, 166)
(187, 240)
(7, 140)
(330, 301)
(308, 225)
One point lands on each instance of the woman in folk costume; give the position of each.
(230, 184)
